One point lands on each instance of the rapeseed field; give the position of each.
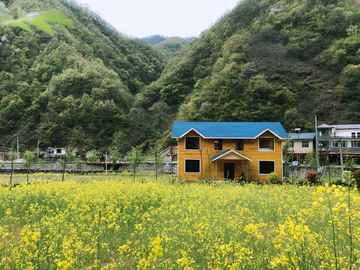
(112, 224)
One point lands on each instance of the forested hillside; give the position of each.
(171, 46)
(154, 39)
(77, 87)
(266, 60)
(269, 61)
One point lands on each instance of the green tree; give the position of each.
(158, 159)
(42, 162)
(350, 91)
(69, 157)
(78, 163)
(37, 19)
(91, 158)
(310, 159)
(114, 155)
(135, 157)
(12, 156)
(27, 160)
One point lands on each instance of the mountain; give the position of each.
(154, 39)
(89, 86)
(76, 88)
(171, 46)
(268, 61)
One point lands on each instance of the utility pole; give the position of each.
(106, 160)
(38, 149)
(17, 147)
(341, 159)
(317, 146)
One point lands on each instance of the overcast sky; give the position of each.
(141, 18)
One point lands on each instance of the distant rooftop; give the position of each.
(241, 130)
(302, 136)
(353, 126)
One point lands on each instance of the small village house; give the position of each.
(169, 154)
(229, 150)
(334, 139)
(300, 145)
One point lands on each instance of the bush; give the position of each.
(356, 176)
(312, 177)
(338, 182)
(302, 181)
(273, 178)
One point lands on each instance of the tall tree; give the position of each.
(158, 159)
(12, 156)
(135, 157)
(28, 158)
(69, 157)
(91, 158)
(114, 156)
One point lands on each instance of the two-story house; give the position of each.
(301, 144)
(332, 137)
(228, 150)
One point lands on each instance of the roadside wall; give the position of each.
(87, 168)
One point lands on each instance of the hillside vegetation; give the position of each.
(75, 88)
(89, 86)
(269, 60)
(171, 46)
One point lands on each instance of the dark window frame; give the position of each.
(262, 169)
(186, 166)
(306, 143)
(186, 144)
(237, 146)
(266, 149)
(218, 144)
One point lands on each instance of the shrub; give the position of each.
(273, 177)
(302, 181)
(312, 176)
(356, 176)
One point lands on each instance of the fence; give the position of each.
(54, 167)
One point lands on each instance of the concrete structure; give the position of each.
(332, 136)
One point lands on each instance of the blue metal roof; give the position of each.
(241, 130)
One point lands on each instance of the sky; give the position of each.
(142, 18)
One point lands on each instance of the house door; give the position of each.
(229, 171)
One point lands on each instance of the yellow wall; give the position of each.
(251, 151)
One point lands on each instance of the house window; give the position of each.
(192, 143)
(353, 135)
(192, 165)
(266, 144)
(58, 151)
(305, 144)
(291, 144)
(355, 144)
(239, 144)
(266, 167)
(358, 134)
(218, 144)
(335, 144)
